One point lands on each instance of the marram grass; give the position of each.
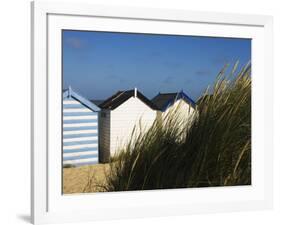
(215, 150)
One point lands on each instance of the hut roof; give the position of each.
(121, 96)
(70, 93)
(164, 100)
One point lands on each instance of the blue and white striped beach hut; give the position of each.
(80, 130)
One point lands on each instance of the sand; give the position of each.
(84, 179)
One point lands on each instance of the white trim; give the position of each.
(71, 102)
(93, 159)
(80, 124)
(80, 117)
(80, 132)
(79, 146)
(68, 154)
(77, 110)
(47, 204)
(79, 139)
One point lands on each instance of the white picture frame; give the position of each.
(48, 205)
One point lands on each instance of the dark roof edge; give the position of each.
(122, 96)
(147, 101)
(179, 95)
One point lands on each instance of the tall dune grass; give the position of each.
(215, 150)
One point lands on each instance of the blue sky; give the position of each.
(97, 64)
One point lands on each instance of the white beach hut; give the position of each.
(80, 130)
(120, 115)
(178, 102)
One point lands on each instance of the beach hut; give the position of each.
(121, 114)
(80, 130)
(178, 102)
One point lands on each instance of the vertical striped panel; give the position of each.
(80, 134)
